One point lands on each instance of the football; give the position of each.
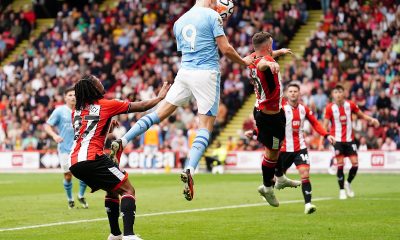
(225, 8)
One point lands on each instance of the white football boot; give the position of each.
(131, 237)
(342, 194)
(268, 194)
(112, 237)
(283, 182)
(347, 188)
(309, 208)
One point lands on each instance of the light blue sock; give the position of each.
(141, 126)
(199, 145)
(68, 189)
(82, 189)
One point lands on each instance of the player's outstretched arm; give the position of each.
(281, 52)
(226, 48)
(148, 104)
(371, 120)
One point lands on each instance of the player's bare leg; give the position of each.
(68, 189)
(111, 204)
(200, 143)
(351, 176)
(141, 126)
(304, 171)
(128, 209)
(268, 170)
(340, 177)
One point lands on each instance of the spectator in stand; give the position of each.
(383, 101)
(389, 145)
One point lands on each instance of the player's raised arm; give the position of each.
(264, 65)
(226, 48)
(281, 52)
(148, 104)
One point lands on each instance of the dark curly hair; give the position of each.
(86, 92)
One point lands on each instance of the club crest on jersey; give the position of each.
(94, 109)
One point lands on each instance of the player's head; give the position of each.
(262, 42)
(208, 3)
(88, 90)
(69, 96)
(293, 92)
(338, 93)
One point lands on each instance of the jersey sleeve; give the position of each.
(54, 118)
(217, 25)
(328, 112)
(314, 122)
(354, 108)
(116, 107)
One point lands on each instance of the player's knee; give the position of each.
(112, 195)
(68, 177)
(271, 154)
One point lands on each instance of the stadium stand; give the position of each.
(138, 52)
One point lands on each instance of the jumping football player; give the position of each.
(91, 120)
(339, 113)
(61, 120)
(199, 34)
(268, 113)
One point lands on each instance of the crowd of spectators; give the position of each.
(357, 46)
(14, 27)
(132, 52)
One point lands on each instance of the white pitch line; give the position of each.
(159, 214)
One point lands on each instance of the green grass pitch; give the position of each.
(229, 206)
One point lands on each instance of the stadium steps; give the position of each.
(299, 41)
(108, 4)
(18, 5)
(297, 44)
(41, 25)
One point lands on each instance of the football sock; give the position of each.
(340, 177)
(352, 173)
(279, 169)
(141, 126)
(112, 208)
(68, 189)
(268, 170)
(128, 210)
(199, 145)
(306, 189)
(82, 189)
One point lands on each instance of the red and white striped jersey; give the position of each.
(340, 118)
(91, 126)
(294, 130)
(267, 86)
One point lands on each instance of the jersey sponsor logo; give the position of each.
(296, 123)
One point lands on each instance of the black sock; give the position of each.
(340, 177)
(279, 169)
(128, 209)
(352, 173)
(268, 171)
(306, 189)
(112, 209)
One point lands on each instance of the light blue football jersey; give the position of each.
(61, 118)
(195, 34)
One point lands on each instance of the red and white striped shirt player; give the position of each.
(340, 117)
(294, 135)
